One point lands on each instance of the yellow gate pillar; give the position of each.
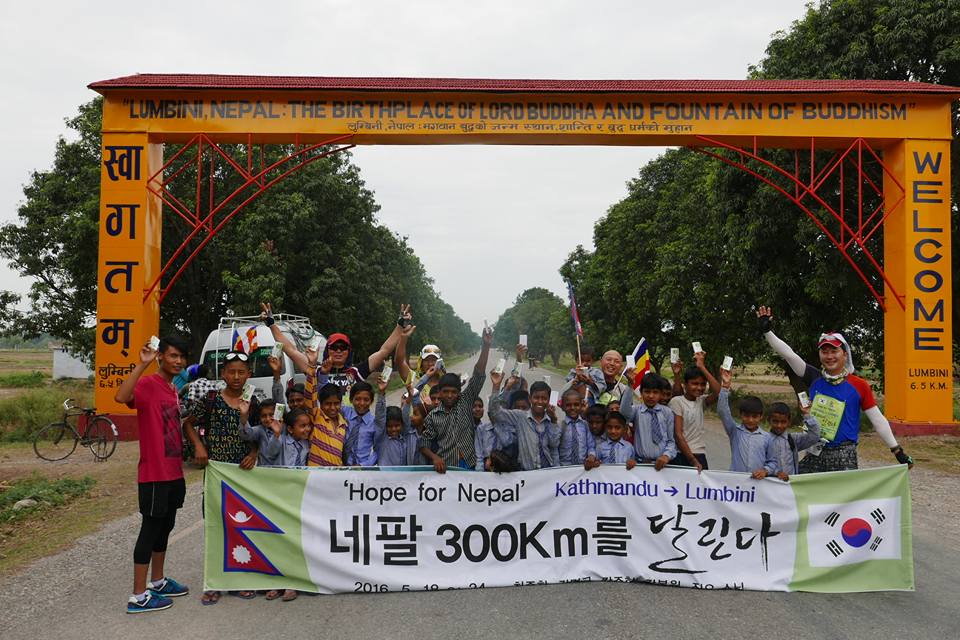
(918, 336)
(129, 260)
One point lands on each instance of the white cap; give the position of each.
(429, 350)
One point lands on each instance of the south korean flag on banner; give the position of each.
(852, 532)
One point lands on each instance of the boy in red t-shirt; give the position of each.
(160, 471)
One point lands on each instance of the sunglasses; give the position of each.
(340, 346)
(235, 355)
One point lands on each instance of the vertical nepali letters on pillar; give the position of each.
(129, 254)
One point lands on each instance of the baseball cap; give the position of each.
(430, 350)
(834, 339)
(338, 337)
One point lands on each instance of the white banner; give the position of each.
(334, 531)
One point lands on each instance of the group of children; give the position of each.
(596, 418)
(660, 424)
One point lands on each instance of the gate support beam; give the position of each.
(918, 337)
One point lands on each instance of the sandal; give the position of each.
(273, 594)
(210, 597)
(289, 595)
(243, 595)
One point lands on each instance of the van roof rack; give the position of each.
(300, 326)
(228, 322)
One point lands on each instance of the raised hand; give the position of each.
(496, 378)
(765, 319)
(677, 367)
(147, 355)
(266, 311)
(726, 377)
(487, 336)
(274, 365)
(551, 411)
(521, 352)
(382, 384)
(275, 426)
(698, 358)
(326, 366)
(312, 357)
(407, 331)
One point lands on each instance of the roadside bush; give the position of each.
(25, 413)
(23, 380)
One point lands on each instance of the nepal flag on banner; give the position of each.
(852, 532)
(239, 516)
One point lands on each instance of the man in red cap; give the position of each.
(344, 372)
(838, 396)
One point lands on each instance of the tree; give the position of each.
(312, 245)
(916, 40)
(696, 243)
(51, 243)
(542, 316)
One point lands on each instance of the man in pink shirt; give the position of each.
(160, 471)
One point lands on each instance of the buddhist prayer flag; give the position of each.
(246, 341)
(642, 357)
(574, 314)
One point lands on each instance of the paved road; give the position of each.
(80, 593)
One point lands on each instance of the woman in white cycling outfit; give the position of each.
(838, 396)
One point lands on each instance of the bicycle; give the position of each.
(58, 440)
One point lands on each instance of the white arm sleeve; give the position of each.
(784, 351)
(882, 426)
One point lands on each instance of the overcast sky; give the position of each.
(487, 221)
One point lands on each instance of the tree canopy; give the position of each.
(543, 318)
(696, 244)
(312, 246)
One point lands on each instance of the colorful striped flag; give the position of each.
(246, 341)
(574, 314)
(641, 357)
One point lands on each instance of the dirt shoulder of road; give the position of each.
(113, 496)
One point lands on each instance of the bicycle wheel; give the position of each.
(101, 437)
(55, 441)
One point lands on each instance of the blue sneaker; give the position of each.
(149, 603)
(169, 588)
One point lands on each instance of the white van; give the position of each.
(220, 341)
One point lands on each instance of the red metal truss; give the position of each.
(207, 157)
(847, 230)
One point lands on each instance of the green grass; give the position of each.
(23, 380)
(24, 414)
(48, 493)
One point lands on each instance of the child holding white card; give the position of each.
(259, 434)
(652, 424)
(688, 408)
(589, 378)
(576, 441)
(535, 431)
(219, 415)
(395, 438)
(783, 447)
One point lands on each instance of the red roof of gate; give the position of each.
(205, 81)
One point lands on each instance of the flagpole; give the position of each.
(579, 359)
